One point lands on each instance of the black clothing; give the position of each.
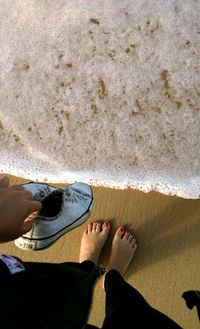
(192, 298)
(58, 296)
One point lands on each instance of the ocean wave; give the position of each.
(104, 92)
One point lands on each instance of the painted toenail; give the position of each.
(122, 229)
(107, 223)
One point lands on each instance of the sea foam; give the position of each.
(105, 92)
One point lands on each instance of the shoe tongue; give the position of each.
(51, 204)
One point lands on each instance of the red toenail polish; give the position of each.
(122, 229)
(107, 223)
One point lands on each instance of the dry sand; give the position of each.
(167, 260)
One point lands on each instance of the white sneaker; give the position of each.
(39, 190)
(63, 209)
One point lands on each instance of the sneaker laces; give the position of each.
(74, 197)
(42, 192)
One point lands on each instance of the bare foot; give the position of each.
(123, 249)
(93, 240)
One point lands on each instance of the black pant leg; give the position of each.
(127, 308)
(45, 295)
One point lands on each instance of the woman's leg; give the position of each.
(125, 306)
(93, 240)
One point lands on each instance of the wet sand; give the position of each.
(167, 259)
(105, 92)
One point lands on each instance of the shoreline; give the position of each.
(167, 230)
(189, 189)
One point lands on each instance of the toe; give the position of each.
(134, 245)
(131, 238)
(98, 227)
(126, 235)
(133, 242)
(120, 232)
(105, 225)
(95, 226)
(90, 226)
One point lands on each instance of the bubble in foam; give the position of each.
(113, 104)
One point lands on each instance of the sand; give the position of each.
(167, 259)
(107, 92)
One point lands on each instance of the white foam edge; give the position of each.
(188, 188)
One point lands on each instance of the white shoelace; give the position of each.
(42, 192)
(75, 196)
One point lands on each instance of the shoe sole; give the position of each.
(26, 243)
